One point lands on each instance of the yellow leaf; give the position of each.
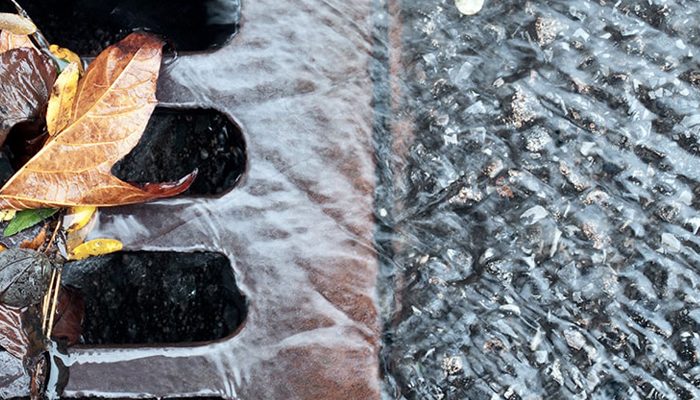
(77, 217)
(58, 113)
(96, 247)
(2, 248)
(7, 215)
(66, 55)
(16, 24)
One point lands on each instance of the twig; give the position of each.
(54, 304)
(52, 240)
(47, 302)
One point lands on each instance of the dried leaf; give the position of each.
(67, 56)
(26, 219)
(24, 277)
(96, 247)
(77, 217)
(16, 24)
(58, 113)
(27, 77)
(35, 243)
(20, 334)
(70, 311)
(9, 41)
(11, 337)
(114, 103)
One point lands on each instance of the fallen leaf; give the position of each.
(65, 88)
(20, 333)
(96, 247)
(9, 41)
(26, 219)
(77, 217)
(12, 338)
(114, 103)
(80, 221)
(35, 243)
(70, 311)
(27, 77)
(16, 24)
(24, 277)
(7, 215)
(67, 56)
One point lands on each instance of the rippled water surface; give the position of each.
(541, 229)
(526, 179)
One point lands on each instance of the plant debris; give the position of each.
(95, 247)
(62, 96)
(16, 24)
(67, 128)
(114, 102)
(28, 218)
(27, 77)
(9, 41)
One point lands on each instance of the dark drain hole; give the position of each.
(177, 141)
(88, 26)
(157, 297)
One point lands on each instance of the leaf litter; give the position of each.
(73, 125)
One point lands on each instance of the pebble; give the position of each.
(574, 339)
(469, 7)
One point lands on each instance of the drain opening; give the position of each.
(177, 141)
(88, 26)
(157, 297)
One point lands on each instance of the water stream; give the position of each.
(545, 239)
(525, 181)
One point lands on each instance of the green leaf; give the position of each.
(28, 218)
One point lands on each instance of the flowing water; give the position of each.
(545, 240)
(526, 180)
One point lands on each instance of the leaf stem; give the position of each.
(38, 37)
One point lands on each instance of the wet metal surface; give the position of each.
(297, 228)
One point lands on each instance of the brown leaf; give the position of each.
(12, 337)
(20, 333)
(114, 103)
(35, 243)
(27, 77)
(9, 41)
(70, 312)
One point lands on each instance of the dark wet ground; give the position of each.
(545, 225)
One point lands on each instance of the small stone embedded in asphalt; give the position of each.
(574, 339)
(469, 7)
